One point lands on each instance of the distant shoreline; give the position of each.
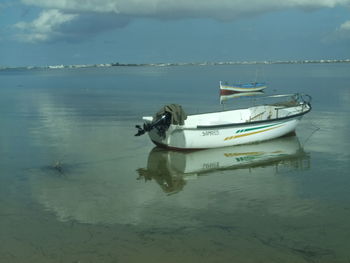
(117, 64)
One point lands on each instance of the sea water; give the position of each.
(77, 186)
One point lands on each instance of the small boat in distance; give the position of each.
(226, 89)
(223, 98)
(172, 128)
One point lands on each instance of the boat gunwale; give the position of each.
(249, 123)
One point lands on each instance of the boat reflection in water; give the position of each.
(107, 192)
(171, 169)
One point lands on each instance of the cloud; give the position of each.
(91, 24)
(343, 31)
(339, 34)
(345, 26)
(53, 25)
(45, 27)
(78, 19)
(219, 9)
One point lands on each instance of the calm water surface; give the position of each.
(116, 199)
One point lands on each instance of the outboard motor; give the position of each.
(162, 125)
(169, 114)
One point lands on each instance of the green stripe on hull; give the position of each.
(257, 128)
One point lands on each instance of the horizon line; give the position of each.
(168, 64)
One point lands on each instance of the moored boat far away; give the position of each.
(224, 98)
(226, 89)
(172, 128)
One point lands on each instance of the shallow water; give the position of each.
(116, 199)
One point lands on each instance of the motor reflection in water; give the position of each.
(170, 169)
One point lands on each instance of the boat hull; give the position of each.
(258, 123)
(250, 87)
(177, 137)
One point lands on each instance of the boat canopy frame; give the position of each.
(302, 98)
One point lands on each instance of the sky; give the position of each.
(55, 32)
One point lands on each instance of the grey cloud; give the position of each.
(88, 25)
(220, 9)
(94, 16)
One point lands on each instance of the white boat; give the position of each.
(228, 127)
(226, 89)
